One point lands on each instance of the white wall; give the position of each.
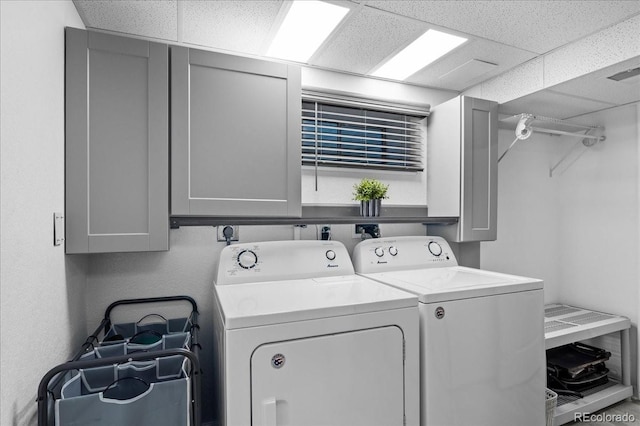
(42, 300)
(600, 223)
(599, 220)
(580, 229)
(528, 210)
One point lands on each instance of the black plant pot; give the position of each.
(370, 208)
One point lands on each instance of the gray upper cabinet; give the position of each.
(235, 136)
(117, 152)
(462, 167)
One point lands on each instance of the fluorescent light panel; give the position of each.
(424, 50)
(306, 26)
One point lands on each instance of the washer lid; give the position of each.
(276, 302)
(454, 283)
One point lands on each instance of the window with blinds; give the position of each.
(340, 135)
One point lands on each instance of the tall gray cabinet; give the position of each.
(235, 136)
(462, 167)
(117, 148)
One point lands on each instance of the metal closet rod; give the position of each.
(524, 130)
(558, 121)
(560, 132)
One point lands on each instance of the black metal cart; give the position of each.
(129, 374)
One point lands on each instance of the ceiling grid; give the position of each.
(514, 48)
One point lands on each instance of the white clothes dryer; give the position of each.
(300, 339)
(482, 354)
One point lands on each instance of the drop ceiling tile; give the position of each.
(240, 26)
(552, 104)
(517, 82)
(537, 26)
(156, 19)
(505, 57)
(597, 86)
(597, 51)
(367, 38)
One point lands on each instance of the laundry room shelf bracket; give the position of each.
(527, 124)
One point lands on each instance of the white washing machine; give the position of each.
(301, 340)
(482, 352)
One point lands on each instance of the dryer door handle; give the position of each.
(269, 411)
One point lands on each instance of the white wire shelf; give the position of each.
(564, 324)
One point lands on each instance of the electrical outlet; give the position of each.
(325, 232)
(234, 236)
(371, 230)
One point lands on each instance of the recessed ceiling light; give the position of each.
(424, 50)
(306, 26)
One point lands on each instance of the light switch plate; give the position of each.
(58, 229)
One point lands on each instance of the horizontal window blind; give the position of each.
(353, 136)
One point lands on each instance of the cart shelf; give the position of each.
(566, 324)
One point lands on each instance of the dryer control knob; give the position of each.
(331, 255)
(379, 251)
(435, 248)
(393, 251)
(247, 259)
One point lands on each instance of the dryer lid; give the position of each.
(454, 283)
(276, 302)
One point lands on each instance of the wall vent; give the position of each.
(625, 74)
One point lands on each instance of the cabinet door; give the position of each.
(116, 144)
(479, 198)
(235, 147)
(462, 167)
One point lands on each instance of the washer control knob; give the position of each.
(331, 255)
(379, 251)
(393, 251)
(435, 248)
(247, 259)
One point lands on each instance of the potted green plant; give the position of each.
(370, 193)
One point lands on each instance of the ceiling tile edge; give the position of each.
(558, 66)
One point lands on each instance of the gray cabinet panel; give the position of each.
(462, 156)
(480, 176)
(116, 144)
(235, 136)
(480, 167)
(249, 134)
